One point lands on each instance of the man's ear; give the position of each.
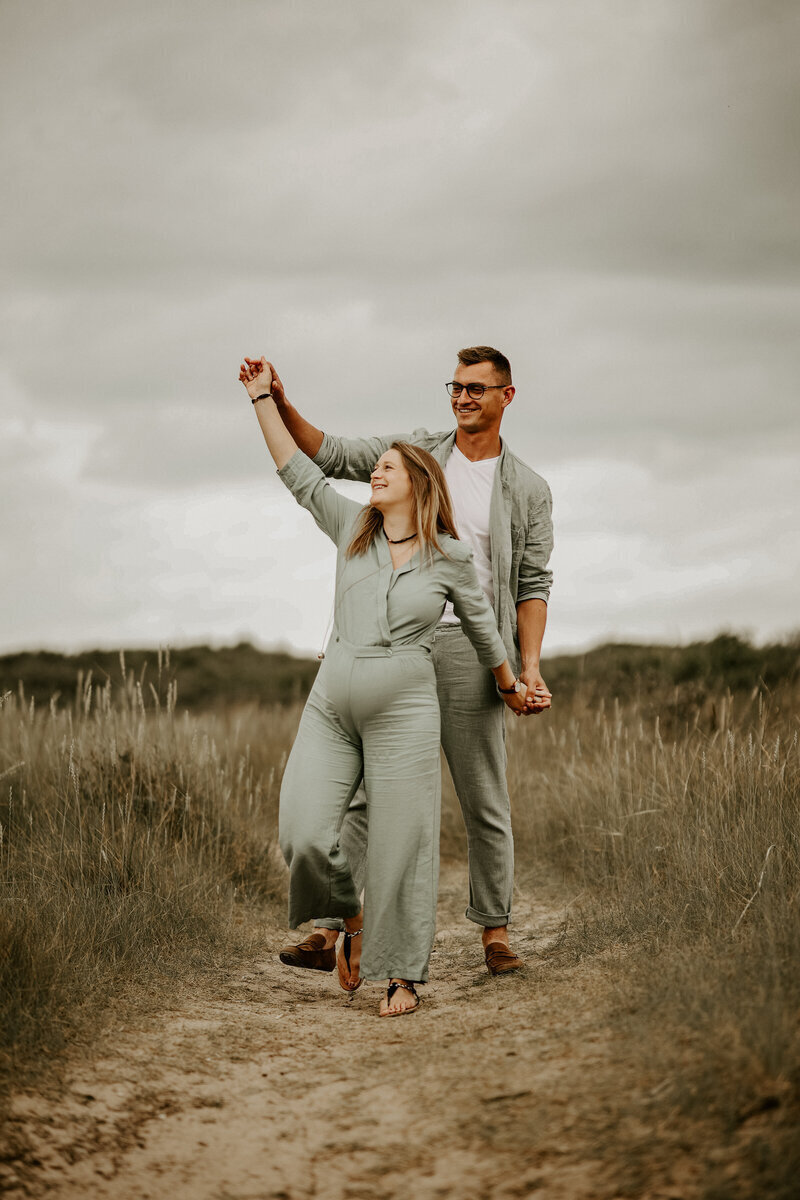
(508, 396)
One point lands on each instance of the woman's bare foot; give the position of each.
(400, 998)
(348, 960)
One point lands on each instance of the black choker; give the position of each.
(397, 541)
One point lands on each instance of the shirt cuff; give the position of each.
(326, 454)
(490, 658)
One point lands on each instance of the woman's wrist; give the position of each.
(504, 677)
(515, 687)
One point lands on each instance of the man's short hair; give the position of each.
(478, 354)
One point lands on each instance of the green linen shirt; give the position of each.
(520, 521)
(378, 605)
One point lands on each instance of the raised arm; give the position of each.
(256, 375)
(307, 436)
(340, 458)
(332, 512)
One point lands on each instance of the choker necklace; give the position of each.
(397, 541)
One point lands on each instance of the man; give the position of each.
(503, 509)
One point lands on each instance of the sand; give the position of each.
(270, 1083)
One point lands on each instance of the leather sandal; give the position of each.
(311, 954)
(500, 959)
(394, 984)
(348, 937)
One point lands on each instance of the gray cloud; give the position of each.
(650, 139)
(609, 192)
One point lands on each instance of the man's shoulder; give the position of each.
(427, 440)
(525, 476)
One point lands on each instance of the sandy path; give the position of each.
(272, 1084)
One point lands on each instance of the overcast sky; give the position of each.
(606, 191)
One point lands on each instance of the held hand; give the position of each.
(516, 701)
(278, 393)
(539, 695)
(256, 375)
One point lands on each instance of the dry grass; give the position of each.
(127, 839)
(131, 836)
(684, 854)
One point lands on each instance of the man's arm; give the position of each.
(533, 590)
(531, 622)
(306, 435)
(340, 458)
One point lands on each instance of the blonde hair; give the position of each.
(431, 506)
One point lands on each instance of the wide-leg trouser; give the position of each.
(373, 715)
(473, 739)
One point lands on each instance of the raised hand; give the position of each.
(257, 376)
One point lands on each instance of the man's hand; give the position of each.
(539, 696)
(278, 394)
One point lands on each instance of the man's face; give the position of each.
(475, 416)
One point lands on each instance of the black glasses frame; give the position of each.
(473, 390)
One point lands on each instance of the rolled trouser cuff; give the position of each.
(329, 923)
(486, 919)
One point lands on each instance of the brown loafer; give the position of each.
(500, 960)
(311, 954)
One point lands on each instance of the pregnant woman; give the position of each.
(373, 711)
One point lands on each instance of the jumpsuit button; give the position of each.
(389, 653)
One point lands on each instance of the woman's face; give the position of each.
(391, 482)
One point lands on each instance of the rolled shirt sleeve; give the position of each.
(535, 579)
(352, 458)
(331, 511)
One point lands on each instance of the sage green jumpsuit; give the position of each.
(373, 713)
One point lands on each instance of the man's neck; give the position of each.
(475, 446)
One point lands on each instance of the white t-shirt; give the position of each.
(471, 486)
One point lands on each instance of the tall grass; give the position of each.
(681, 840)
(127, 836)
(677, 826)
(130, 835)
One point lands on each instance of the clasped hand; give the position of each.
(535, 699)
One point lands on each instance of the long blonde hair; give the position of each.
(431, 506)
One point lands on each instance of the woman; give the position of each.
(373, 710)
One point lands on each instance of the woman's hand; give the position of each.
(256, 375)
(506, 680)
(516, 701)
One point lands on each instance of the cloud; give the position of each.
(351, 140)
(606, 192)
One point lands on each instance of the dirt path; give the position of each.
(274, 1085)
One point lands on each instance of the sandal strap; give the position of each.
(395, 984)
(346, 944)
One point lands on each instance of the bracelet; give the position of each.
(509, 691)
(263, 396)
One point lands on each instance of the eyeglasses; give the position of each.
(473, 390)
